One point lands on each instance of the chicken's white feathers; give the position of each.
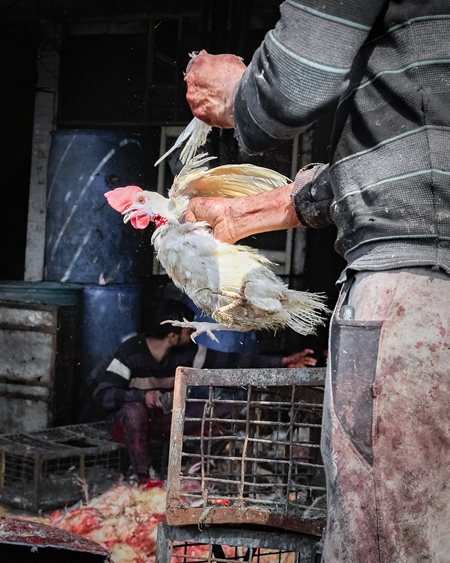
(195, 136)
(233, 284)
(229, 180)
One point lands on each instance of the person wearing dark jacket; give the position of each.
(136, 389)
(383, 68)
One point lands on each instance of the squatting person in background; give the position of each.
(135, 390)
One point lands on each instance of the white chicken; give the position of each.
(233, 284)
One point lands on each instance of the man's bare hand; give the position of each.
(233, 219)
(301, 359)
(153, 400)
(212, 82)
(215, 211)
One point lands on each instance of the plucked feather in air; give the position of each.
(194, 135)
(233, 284)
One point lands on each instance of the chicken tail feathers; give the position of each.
(306, 311)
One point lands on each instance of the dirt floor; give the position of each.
(12, 512)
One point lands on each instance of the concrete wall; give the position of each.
(45, 110)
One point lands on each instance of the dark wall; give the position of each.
(97, 74)
(18, 45)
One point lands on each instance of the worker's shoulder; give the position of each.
(134, 344)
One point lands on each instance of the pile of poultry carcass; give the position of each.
(124, 519)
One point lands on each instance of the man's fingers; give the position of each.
(152, 399)
(188, 217)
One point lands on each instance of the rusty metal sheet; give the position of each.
(43, 538)
(184, 516)
(37, 348)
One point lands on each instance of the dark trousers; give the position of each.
(386, 423)
(136, 426)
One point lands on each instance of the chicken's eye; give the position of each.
(141, 200)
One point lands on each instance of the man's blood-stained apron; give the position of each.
(386, 424)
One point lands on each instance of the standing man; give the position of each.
(383, 67)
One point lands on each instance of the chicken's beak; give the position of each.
(138, 219)
(128, 214)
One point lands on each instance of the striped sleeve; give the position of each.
(312, 196)
(113, 389)
(300, 69)
(112, 392)
(119, 368)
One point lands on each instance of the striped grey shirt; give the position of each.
(383, 67)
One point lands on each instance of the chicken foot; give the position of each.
(238, 300)
(199, 327)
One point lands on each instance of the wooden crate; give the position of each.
(255, 456)
(213, 544)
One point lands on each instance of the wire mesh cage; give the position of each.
(50, 468)
(245, 449)
(188, 544)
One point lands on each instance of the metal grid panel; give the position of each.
(59, 440)
(245, 449)
(48, 469)
(188, 544)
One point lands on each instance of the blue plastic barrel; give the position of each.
(110, 315)
(86, 240)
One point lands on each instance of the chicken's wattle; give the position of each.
(140, 221)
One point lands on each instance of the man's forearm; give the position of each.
(233, 219)
(270, 211)
(112, 395)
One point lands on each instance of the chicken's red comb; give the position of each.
(121, 198)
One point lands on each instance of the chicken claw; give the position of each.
(199, 327)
